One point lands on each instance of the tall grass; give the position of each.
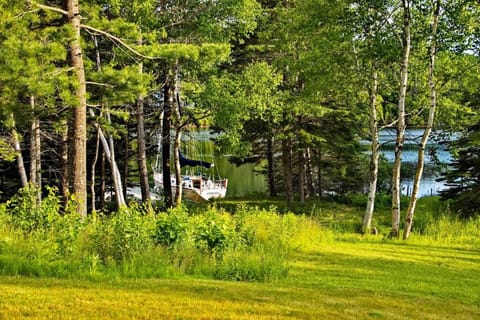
(453, 231)
(251, 245)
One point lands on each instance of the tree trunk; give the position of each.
(103, 188)
(375, 148)
(319, 174)
(271, 171)
(92, 171)
(18, 150)
(64, 162)
(401, 125)
(108, 150)
(141, 152)
(309, 174)
(167, 112)
(108, 147)
(301, 175)
(287, 169)
(177, 115)
(79, 161)
(428, 129)
(178, 172)
(35, 153)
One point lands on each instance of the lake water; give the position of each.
(428, 184)
(244, 180)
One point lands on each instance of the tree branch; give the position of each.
(99, 84)
(42, 6)
(391, 124)
(112, 37)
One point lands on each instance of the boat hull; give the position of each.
(196, 188)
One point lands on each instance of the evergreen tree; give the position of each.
(463, 177)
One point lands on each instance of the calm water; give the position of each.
(428, 185)
(243, 180)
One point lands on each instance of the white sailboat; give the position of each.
(195, 187)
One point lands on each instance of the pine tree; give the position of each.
(463, 178)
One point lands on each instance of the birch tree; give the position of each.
(401, 123)
(431, 116)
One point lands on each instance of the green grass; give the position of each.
(347, 278)
(312, 266)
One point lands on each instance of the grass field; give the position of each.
(345, 278)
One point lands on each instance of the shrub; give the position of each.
(121, 235)
(214, 231)
(171, 226)
(28, 215)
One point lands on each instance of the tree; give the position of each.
(374, 52)
(31, 76)
(430, 121)
(463, 178)
(247, 109)
(401, 124)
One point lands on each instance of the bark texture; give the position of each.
(35, 152)
(141, 152)
(79, 152)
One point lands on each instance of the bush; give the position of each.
(214, 231)
(122, 235)
(171, 227)
(28, 215)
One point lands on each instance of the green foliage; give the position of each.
(7, 153)
(116, 238)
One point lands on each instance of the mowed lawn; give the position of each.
(349, 279)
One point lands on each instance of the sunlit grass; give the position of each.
(307, 266)
(350, 279)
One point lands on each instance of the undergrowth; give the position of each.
(251, 245)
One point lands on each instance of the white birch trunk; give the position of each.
(428, 129)
(18, 150)
(401, 125)
(116, 176)
(35, 153)
(178, 172)
(94, 164)
(108, 148)
(375, 149)
(178, 139)
(110, 156)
